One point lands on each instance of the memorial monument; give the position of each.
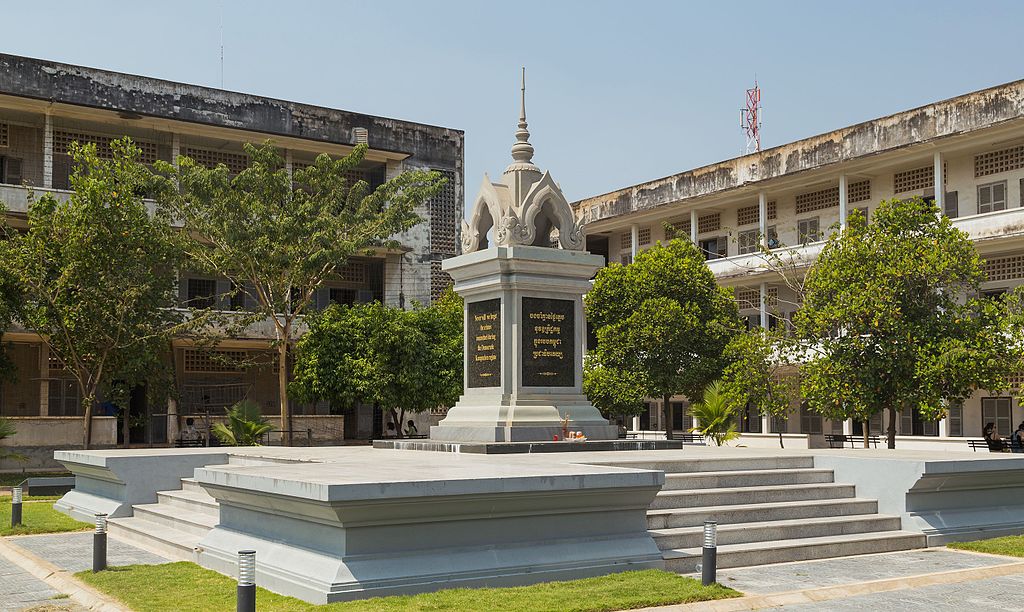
(522, 274)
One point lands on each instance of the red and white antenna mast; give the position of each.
(750, 119)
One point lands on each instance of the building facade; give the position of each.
(45, 106)
(966, 154)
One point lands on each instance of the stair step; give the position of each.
(190, 500)
(171, 543)
(750, 495)
(719, 480)
(685, 560)
(718, 464)
(668, 518)
(197, 523)
(191, 484)
(738, 533)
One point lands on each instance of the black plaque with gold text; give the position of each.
(483, 343)
(549, 330)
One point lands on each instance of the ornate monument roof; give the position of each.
(526, 207)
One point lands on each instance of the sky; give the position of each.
(617, 92)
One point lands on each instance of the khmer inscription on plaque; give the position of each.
(549, 331)
(483, 344)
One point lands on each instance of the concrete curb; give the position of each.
(843, 591)
(61, 580)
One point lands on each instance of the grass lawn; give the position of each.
(37, 516)
(186, 587)
(1012, 546)
(9, 479)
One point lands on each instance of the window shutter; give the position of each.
(61, 172)
(11, 171)
(907, 422)
(250, 297)
(182, 289)
(723, 247)
(323, 298)
(951, 204)
(223, 297)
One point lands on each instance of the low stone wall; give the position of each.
(37, 438)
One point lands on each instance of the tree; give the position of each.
(762, 365)
(402, 361)
(613, 391)
(894, 320)
(245, 425)
(277, 236)
(717, 418)
(98, 273)
(662, 323)
(10, 302)
(7, 430)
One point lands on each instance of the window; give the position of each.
(991, 197)
(997, 410)
(714, 248)
(681, 419)
(807, 230)
(10, 170)
(710, 222)
(956, 419)
(64, 400)
(747, 240)
(951, 204)
(810, 421)
(626, 241)
(343, 296)
(237, 297)
(779, 424)
(750, 420)
(202, 292)
(644, 235)
(837, 427)
(994, 294)
(626, 258)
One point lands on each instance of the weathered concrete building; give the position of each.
(45, 106)
(965, 153)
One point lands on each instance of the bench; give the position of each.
(1008, 446)
(48, 485)
(840, 440)
(182, 443)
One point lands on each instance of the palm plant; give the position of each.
(245, 425)
(6, 431)
(717, 419)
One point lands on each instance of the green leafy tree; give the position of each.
(892, 319)
(279, 236)
(97, 272)
(245, 426)
(662, 324)
(762, 366)
(613, 391)
(717, 417)
(400, 360)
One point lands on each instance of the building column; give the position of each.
(848, 427)
(693, 226)
(843, 194)
(763, 306)
(48, 152)
(762, 220)
(175, 149)
(44, 379)
(288, 162)
(634, 238)
(636, 423)
(940, 184)
(766, 424)
(944, 427)
(173, 428)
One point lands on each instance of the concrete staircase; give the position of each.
(768, 510)
(179, 519)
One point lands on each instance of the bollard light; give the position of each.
(99, 544)
(16, 506)
(246, 593)
(709, 554)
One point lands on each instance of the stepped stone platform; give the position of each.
(506, 448)
(340, 523)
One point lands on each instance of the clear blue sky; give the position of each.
(617, 92)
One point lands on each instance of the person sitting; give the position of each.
(391, 432)
(190, 435)
(995, 443)
(1017, 439)
(410, 429)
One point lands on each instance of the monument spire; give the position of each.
(522, 150)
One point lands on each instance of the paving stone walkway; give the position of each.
(20, 590)
(1002, 593)
(73, 551)
(845, 570)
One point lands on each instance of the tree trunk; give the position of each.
(780, 437)
(667, 409)
(866, 433)
(890, 432)
(282, 392)
(87, 403)
(397, 420)
(125, 414)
